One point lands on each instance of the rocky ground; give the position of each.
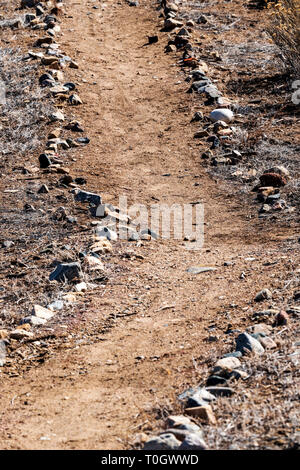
(119, 344)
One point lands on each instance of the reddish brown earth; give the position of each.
(100, 393)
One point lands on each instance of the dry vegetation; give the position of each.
(285, 32)
(25, 109)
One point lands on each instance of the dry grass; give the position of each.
(263, 413)
(285, 32)
(24, 108)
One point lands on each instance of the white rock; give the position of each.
(94, 263)
(228, 363)
(107, 233)
(56, 305)
(42, 312)
(34, 321)
(221, 114)
(81, 287)
(57, 116)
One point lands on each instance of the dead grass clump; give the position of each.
(285, 32)
(23, 107)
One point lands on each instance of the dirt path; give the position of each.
(136, 114)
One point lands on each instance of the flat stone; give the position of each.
(268, 343)
(220, 391)
(181, 422)
(201, 134)
(215, 380)
(200, 269)
(171, 24)
(21, 334)
(66, 272)
(193, 442)
(204, 413)
(259, 328)
(199, 85)
(233, 354)
(42, 312)
(196, 397)
(228, 363)
(83, 140)
(211, 91)
(73, 65)
(34, 321)
(84, 196)
(58, 90)
(266, 313)
(162, 442)
(246, 343)
(180, 434)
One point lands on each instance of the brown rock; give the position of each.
(204, 413)
(66, 179)
(171, 24)
(259, 328)
(281, 318)
(21, 333)
(267, 190)
(62, 170)
(74, 65)
(272, 179)
(201, 134)
(55, 134)
(49, 60)
(268, 343)
(3, 334)
(25, 326)
(280, 170)
(225, 132)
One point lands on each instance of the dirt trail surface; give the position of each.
(157, 319)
